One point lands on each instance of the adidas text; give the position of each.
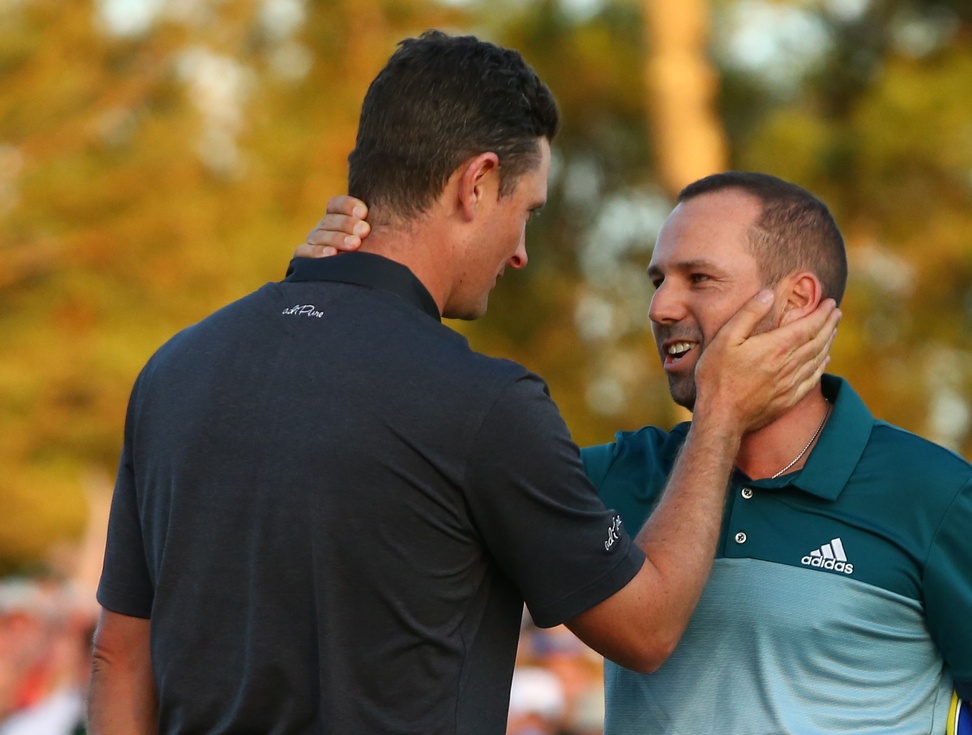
(830, 556)
(837, 566)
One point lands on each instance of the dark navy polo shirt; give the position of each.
(332, 510)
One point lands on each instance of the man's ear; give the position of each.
(800, 295)
(478, 178)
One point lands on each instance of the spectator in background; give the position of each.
(537, 702)
(45, 637)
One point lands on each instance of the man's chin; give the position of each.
(466, 312)
(683, 393)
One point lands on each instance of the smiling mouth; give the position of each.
(676, 352)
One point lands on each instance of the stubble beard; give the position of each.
(682, 388)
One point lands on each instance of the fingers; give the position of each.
(339, 232)
(811, 358)
(742, 323)
(757, 378)
(811, 331)
(306, 250)
(347, 206)
(801, 345)
(805, 352)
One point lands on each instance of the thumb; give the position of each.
(742, 323)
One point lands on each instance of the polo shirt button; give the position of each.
(741, 538)
(747, 492)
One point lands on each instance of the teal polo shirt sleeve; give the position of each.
(638, 463)
(948, 590)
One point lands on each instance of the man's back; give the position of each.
(328, 534)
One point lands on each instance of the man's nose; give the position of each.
(665, 305)
(519, 259)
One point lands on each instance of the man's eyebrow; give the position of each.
(685, 265)
(695, 263)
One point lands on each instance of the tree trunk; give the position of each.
(688, 137)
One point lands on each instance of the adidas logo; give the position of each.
(829, 556)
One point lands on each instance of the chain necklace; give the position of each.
(806, 448)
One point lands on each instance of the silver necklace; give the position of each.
(804, 450)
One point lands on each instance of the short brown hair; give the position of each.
(794, 231)
(439, 101)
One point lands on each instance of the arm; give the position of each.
(743, 382)
(121, 695)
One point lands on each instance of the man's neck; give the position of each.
(416, 249)
(767, 451)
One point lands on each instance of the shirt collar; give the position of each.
(839, 448)
(366, 269)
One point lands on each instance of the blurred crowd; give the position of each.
(557, 685)
(45, 637)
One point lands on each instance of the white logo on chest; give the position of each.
(829, 556)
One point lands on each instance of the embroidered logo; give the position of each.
(303, 310)
(829, 556)
(614, 533)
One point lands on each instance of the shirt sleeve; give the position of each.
(538, 514)
(948, 590)
(126, 586)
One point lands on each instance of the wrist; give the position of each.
(718, 427)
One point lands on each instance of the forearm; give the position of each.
(120, 702)
(639, 626)
(121, 694)
(680, 537)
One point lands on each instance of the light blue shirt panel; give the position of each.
(861, 649)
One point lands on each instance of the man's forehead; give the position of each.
(718, 218)
(722, 206)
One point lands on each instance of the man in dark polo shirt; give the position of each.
(329, 511)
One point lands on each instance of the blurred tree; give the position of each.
(155, 166)
(872, 114)
(148, 175)
(682, 87)
(862, 102)
(577, 314)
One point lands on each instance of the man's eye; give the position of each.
(698, 277)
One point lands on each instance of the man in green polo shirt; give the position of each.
(841, 595)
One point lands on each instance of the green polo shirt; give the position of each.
(841, 596)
